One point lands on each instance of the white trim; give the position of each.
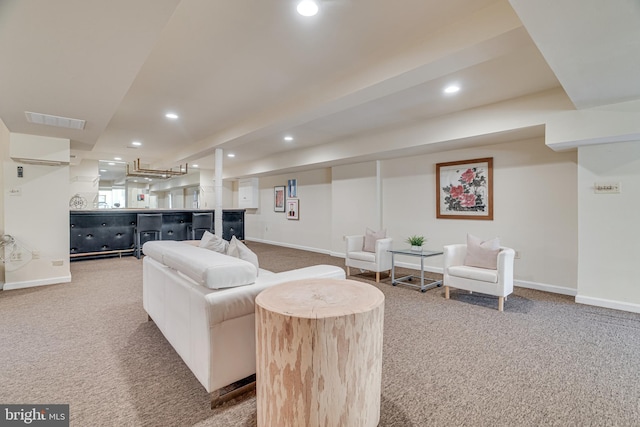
(40, 282)
(288, 245)
(607, 303)
(554, 289)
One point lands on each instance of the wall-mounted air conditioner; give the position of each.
(39, 150)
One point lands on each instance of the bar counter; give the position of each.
(110, 232)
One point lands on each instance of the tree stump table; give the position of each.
(319, 353)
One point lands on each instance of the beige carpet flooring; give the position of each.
(544, 361)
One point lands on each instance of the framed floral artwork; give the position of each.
(278, 198)
(464, 189)
(293, 206)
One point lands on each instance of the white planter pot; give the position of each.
(416, 248)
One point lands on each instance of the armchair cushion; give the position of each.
(370, 239)
(474, 273)
(363, 256)
(482, 254)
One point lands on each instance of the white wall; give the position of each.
(312, 231)
(608, 226)
(134, 190)
(37, 215)
(207, 189)
(4, 155)
(354, 203)
(535, 208)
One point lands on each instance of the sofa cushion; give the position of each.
(208, 268)
(212, 242)
(155, 249)
(483, 254)
(370, 239)
(240, 250)
(474, 273)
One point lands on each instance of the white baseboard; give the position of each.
(288, 245)
(606, 303)
(554, 289)
(40, 282)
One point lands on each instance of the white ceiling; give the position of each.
(243, 74)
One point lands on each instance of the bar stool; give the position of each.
(201, 221)
(147, 224)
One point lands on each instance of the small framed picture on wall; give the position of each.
(278, 198)
(292, 184)
(293, 206)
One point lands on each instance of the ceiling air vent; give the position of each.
(49, 120)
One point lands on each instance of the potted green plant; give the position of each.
(416, 242)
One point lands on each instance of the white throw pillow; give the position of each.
(240, 250)
(215, 243)
(370, 238)
(483, 254)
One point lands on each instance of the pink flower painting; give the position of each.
(464, 188)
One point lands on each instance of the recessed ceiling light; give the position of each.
(117, 158)
(288, 138)
(172, 116)
(231, 155)
(194, 166)
(452, 89)
(136, 143)
(103, 170)
(307, 8)
(111, 164)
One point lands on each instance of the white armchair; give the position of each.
(377, 261)
(483, 280)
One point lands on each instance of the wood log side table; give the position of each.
(319, 354)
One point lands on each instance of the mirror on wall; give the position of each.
(112, 191)
(117, 191)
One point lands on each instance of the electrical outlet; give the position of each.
(35, 254)
(57, 263)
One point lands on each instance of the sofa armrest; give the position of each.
(354, 243)
(230, 303)
(383, 256)
(506, 258)
(454, 255)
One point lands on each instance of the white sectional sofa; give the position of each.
(204, 304)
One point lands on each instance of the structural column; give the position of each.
(217, 221)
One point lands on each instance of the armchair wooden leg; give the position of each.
(446, 292)
(377, 276)
(500, 303)
(348, 272)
